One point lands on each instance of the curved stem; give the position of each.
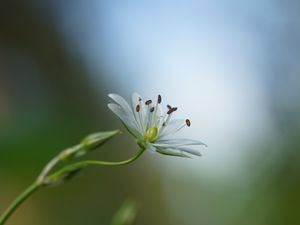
(82, 164)
(50, 165)
(39, 183)
(48, 168)
(18, 201)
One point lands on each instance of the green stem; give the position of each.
(36, 185)
(82, 164)
(18, 201)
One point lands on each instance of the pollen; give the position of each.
(188, 122)
(138, 108)
(148, 102)
(159, 99)
(171, 110)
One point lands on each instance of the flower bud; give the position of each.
(95, 140)
(61, 176)
(88, 144)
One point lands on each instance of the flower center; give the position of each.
(151, 134)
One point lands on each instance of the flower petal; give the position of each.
(178, 142)
(187, 149)
(127, 119)
(177, 145)
(171, 152)
(172, 127)
(141, 116)
(150, 147)
(121, 101)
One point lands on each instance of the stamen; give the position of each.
(159, 99)
(138, 108)
(151, 117)
(169, 107)
(188, 122)
(171, 110)
(148, 102)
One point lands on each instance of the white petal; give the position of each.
(127, 119)
(150, 147)
(172, 152)
(121, 101)
(171, 128)
(187, 149)
(141, 116)
(127, 109)
(158, 118)
(178, 142)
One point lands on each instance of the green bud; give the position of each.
(61, 176)
(95, 140)
(88, 144)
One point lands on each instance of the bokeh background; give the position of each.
(232, 67)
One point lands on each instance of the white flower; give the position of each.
(152, 125)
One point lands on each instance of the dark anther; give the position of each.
(152, 109)
(140, 99)
(164, 124)
(138, 108)
(159, 99)
(188, 122)
(148, 102)
(171, 110)
(169, 107)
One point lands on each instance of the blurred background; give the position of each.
(232, 67)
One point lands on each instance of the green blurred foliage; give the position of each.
(48, 102)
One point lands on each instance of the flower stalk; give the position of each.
(148, 122)
(47, 177)
(18, 201)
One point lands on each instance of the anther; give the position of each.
(169, 107)
(152, 109)
(138, 108)
(140, 99)
(188, 122)
(159, 99)
(171, 110)
(148, 102)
